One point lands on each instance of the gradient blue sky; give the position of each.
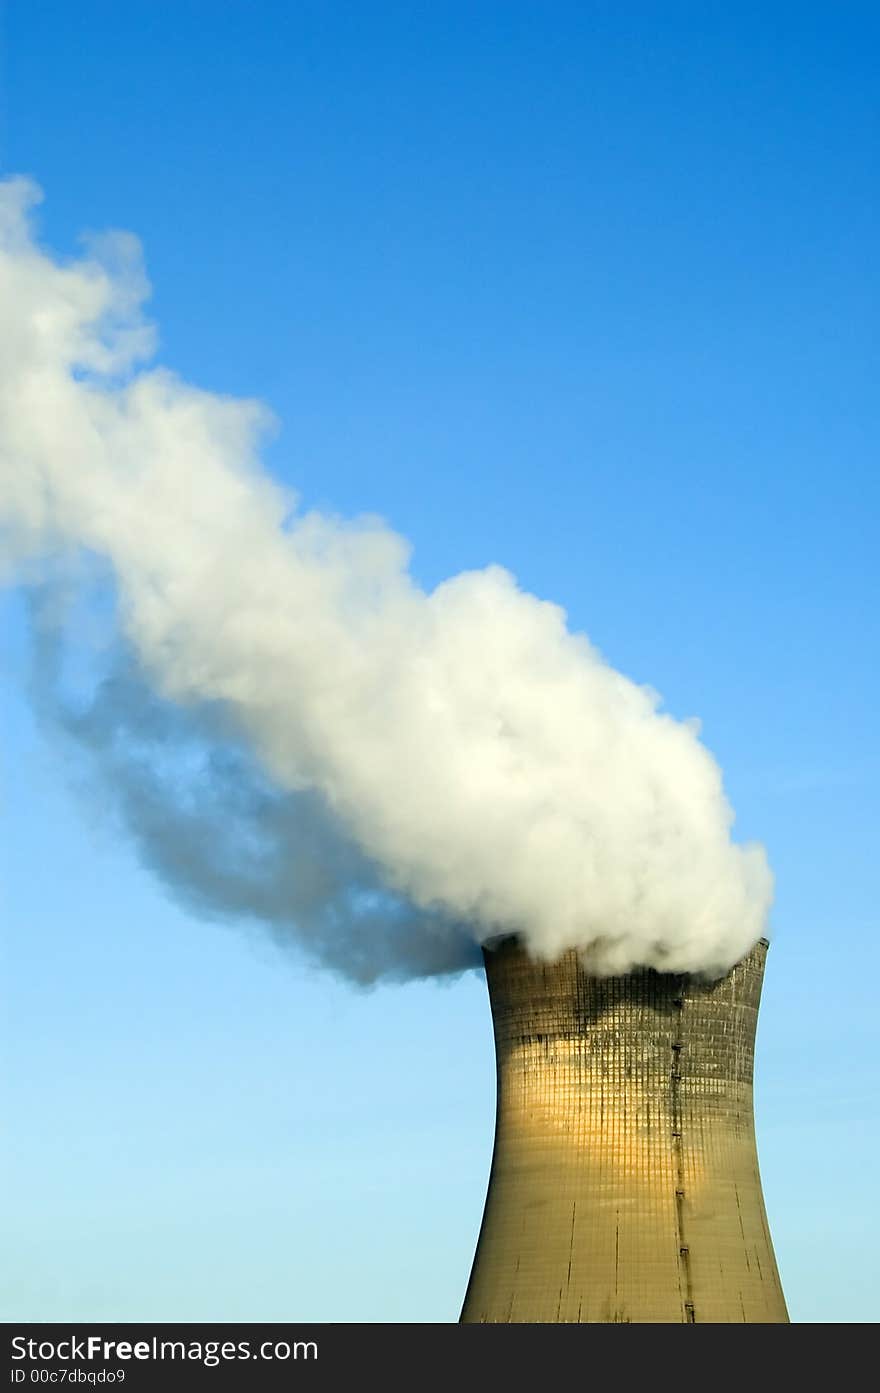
(586, 289)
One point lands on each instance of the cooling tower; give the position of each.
(624, 1182)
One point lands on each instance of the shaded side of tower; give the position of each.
(624, 1184)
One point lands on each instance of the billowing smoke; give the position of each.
(293, 729)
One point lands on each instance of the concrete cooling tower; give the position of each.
(624, 1184)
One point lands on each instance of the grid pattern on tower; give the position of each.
(624, 1182)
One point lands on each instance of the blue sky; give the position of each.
(588, 290)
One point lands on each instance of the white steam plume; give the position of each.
(487, 763)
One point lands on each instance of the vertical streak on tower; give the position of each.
(624, 1182)
(687, 1285)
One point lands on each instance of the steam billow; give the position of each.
(291, 729)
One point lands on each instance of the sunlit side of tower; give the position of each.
(624, 1182)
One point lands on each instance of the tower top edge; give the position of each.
(512, 943)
